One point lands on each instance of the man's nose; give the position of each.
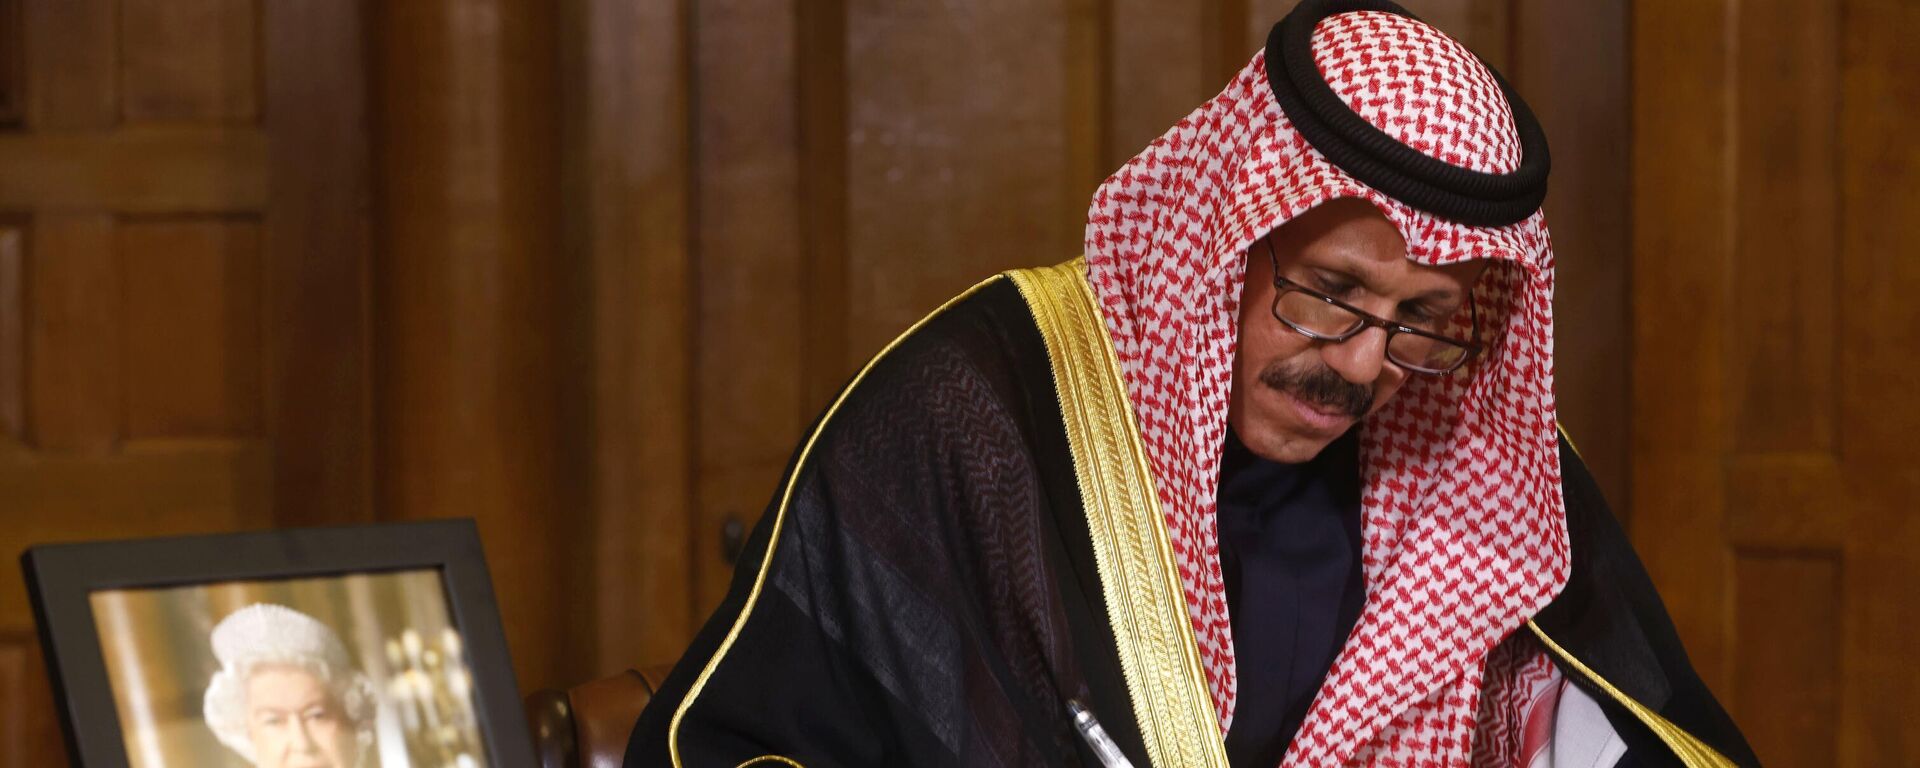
(1360, 358)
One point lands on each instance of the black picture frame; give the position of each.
(61, 577)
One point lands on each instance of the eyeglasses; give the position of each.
(1316, 315)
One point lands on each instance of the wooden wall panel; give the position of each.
(1255, 21)
(72, 70)
(1880, 683)
(74, 386)
(951, 175)
(1773, 380)
(1223, 28)
(1569, 61)
(12, 63)
(1083, 164)
(13, 327)
(750, 386)
(1784, 502)
(824, 167)
(152, 488)
(1878, 677)
(1786, 697)
(318, 261)
(1878, 329)
(1879, 325)
(1161, 65)
(192, 309)
(1781, 319)
(189, 59)
(158, 169)
(471, 384)
(136, 286)
(627, 168)
(29, 731)
(1680, 249)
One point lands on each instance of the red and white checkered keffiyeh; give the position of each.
(1465, 525)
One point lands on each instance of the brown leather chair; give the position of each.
(587, 726)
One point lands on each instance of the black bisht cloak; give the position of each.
(924, 589)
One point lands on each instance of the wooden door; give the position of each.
(1775, 269)
(182, 251)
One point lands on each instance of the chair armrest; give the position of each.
(588, 725)
(550, 720)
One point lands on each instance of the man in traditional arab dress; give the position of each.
(1271, 476)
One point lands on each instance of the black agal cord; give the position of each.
(1382, 162)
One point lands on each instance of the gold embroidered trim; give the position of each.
(772, 759)
(773, 539)
(1569, 438)
(1692, 752)
(1145, 601)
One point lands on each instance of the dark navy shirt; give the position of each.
(1290, 557)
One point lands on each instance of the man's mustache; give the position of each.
(1320, 387)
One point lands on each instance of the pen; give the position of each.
(1096, 736)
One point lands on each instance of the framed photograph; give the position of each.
(362, 647)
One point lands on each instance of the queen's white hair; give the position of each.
(265, 634)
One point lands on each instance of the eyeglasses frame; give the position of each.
(1283, 285)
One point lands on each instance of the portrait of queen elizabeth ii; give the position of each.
(287, 695)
